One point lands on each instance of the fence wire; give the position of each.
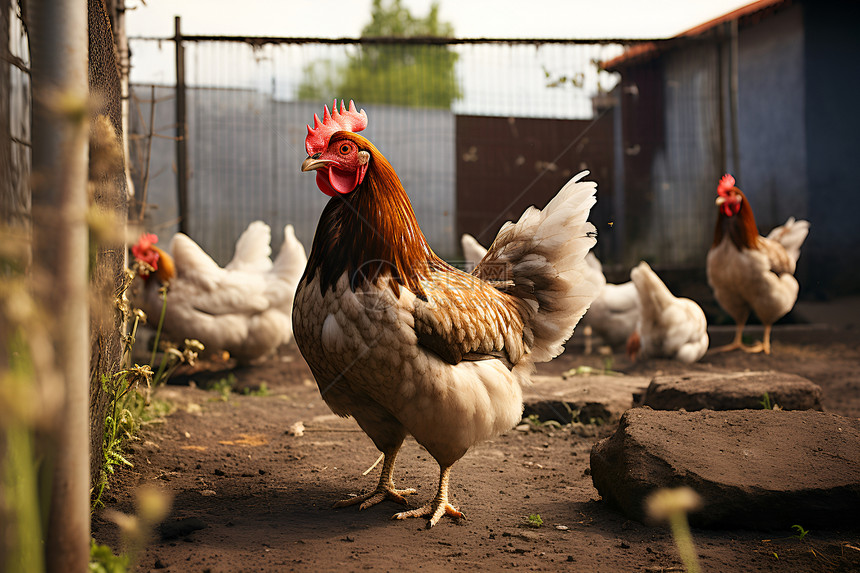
(249, 102)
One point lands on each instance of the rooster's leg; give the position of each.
(384, 489)
(734, 344)
(766, 339)
(763, 346)
(436, 508)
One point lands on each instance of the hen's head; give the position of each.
(152, 260)
(145, 252)
(335, 152)
(729, 197)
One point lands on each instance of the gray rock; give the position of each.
(588, 398)
(731, 391)
(757, 469)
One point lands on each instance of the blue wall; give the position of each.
(832, 62)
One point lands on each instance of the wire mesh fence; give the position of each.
(249, 101)
(15, 113)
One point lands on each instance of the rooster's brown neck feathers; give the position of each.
(740, 227)
(371, 232)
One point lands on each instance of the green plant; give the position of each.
(129, 390)
(534, 520)
(590, 371)
(263, 390)
(225, 386)
(767, 403)
(801, 532)
(103, 560)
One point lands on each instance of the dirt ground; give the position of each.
(263, 497)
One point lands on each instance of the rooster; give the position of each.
(748, 272)
(407, 344)
(244, 308)
(668, 326)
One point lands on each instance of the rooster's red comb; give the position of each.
(343, 120)
(726, 183)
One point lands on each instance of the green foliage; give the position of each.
(397, 74)
(102, 560)
(535, 520)
(767, 403)
(801, 532)
(225, 386)
(130, 391)
(263, 390)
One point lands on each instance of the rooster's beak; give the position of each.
(312, 163)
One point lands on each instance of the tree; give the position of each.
(420, 75)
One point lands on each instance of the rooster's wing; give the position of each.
(463, 318)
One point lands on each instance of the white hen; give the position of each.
(615, 312)
(669, 327)
(244, 308)
(473, 251)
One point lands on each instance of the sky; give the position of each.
(523, 91)
(471, 18)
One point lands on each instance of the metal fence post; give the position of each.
(58, 47)
(181, 131)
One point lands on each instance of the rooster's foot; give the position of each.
(755, 348)
(726, 348)
(434, 510)
(381, 493)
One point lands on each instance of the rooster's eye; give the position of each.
(344, 148)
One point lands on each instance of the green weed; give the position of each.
(534, 520)
(263, 390)
(767, 403)
(801, 532)
(129, 390)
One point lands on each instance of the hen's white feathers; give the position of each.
(669, 327)
(615, 312)
(241, 308)
(253, 249)
(473, 251)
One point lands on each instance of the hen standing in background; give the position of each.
(407, 344)
(748, 272)
(668, 326)
(244, 308)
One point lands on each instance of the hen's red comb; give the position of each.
(726, 183)
(343, 120)
(143, 250)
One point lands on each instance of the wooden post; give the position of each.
(59, 52)
(181, 131)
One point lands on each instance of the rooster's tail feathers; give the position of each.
(791, 236)
(544, 257)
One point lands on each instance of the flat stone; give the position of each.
(731, 391)
(758, 469)
(588, 397)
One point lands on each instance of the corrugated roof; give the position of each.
(645, 51)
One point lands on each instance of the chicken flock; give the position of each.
(406, 343)
(244, 308)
